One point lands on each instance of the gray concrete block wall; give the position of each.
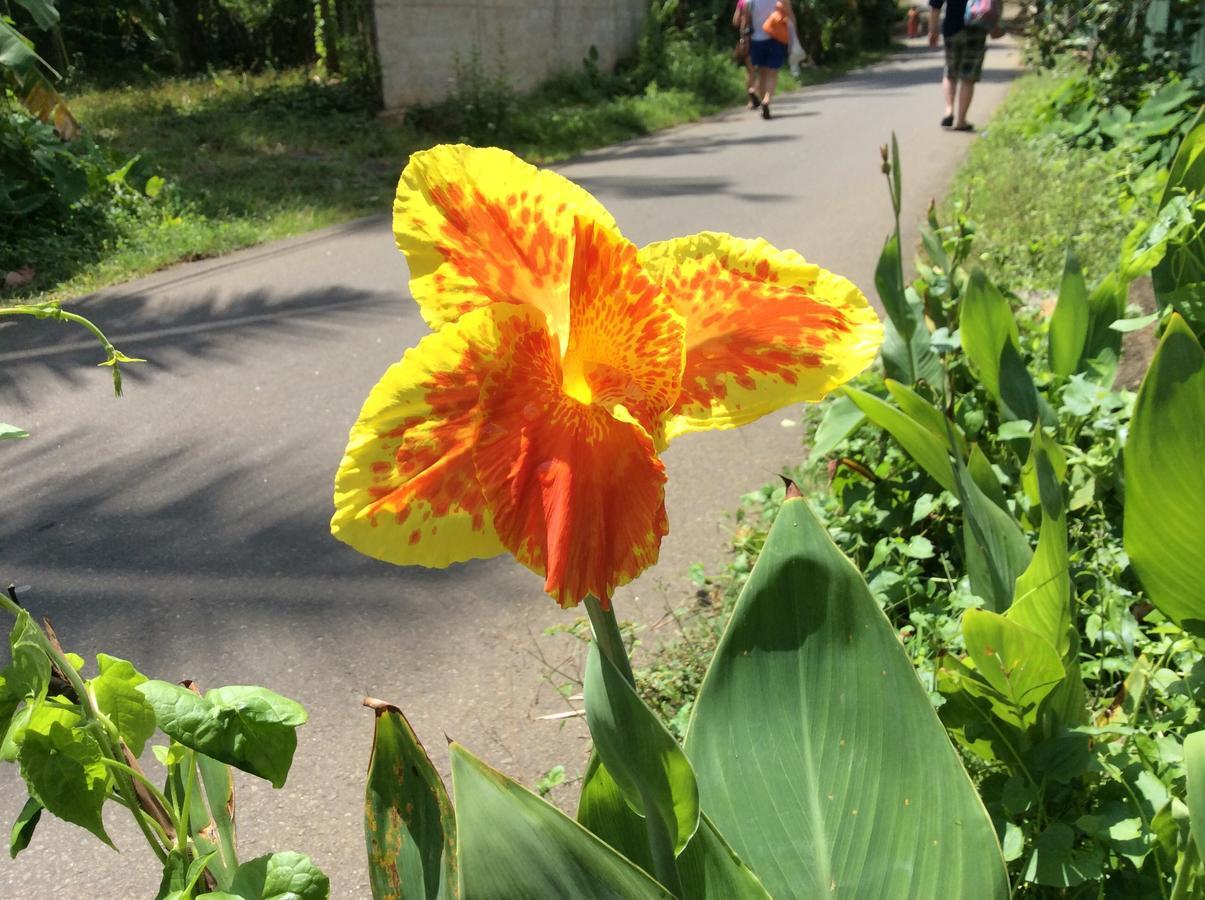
(525, 41)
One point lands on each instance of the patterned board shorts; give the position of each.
(964, 54)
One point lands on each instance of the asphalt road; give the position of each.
(185, 526)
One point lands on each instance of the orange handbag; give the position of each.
(777, 25)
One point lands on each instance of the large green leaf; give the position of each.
(409, 825)
(64, 769)
(117, 695)
(926, 414)
(1194, 767)
(1069, 324)
(643, 758)
(797, 744)
(1165, 479)
(15, 52)
(250, 728)
(1019, 665)
(513, 844)
(1042, 600)
(928, 450)
(213, 829)
(27, 675)
(43, 12)
(708, 867)
(1179, 278)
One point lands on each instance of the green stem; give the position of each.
(609, 638)
(1188, 862)
(186, 807)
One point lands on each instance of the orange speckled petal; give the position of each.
(576, 493)
(764, 328)
(481, 226)
(406, 491)
(625, 338)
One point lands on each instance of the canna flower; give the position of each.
(562, 360)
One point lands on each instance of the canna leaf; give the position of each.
(799, 764)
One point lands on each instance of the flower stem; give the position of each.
(609, 638)
(610, 643)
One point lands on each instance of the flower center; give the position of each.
(573, 379)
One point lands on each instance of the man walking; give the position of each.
(965, 47)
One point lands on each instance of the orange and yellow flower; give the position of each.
(562, 360)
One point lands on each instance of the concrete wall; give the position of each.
(420, 41)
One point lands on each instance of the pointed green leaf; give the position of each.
(1042, 600)
(841, 418)
(794, 739)
(995, 548)
(980, 469)
(63, 768)
(641, 755)
(1194, 767)
(1069, 324)
(928, 450)
(709, 868)
(250, 728)
(926, 414)
(1179, 278)
(1165, 480)
(887, 281)
(28, 675)
(280, 876)
(409, 825)
(1102, 346)
(513, 844)
(43, 11)
(1020, 665)
(935, 249)
(212, 818)
(986, 325)
(8, 432)
(117, 695)
(23, 828)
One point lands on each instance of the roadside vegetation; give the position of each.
(246, 145)
(1073, 197)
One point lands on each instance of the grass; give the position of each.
(252, 158)
(1029, 192)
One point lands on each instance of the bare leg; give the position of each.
(947, 90)
(769, 81)
(966, 91)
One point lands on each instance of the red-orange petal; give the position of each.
(406, 491)
(480, 226)
(764, 328)
(576, 493)
(625, 338)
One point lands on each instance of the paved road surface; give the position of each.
(185, 525)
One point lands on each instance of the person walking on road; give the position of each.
(771, 21)
(740, 21)
(965, 48)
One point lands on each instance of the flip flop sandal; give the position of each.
(947, 122)
(765, 111)
(967, 127)
(754, 100)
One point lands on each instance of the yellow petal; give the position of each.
(406, 491)
(481, 226)
(764, 328)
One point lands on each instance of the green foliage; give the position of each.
(78, 741)
(409, 824)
